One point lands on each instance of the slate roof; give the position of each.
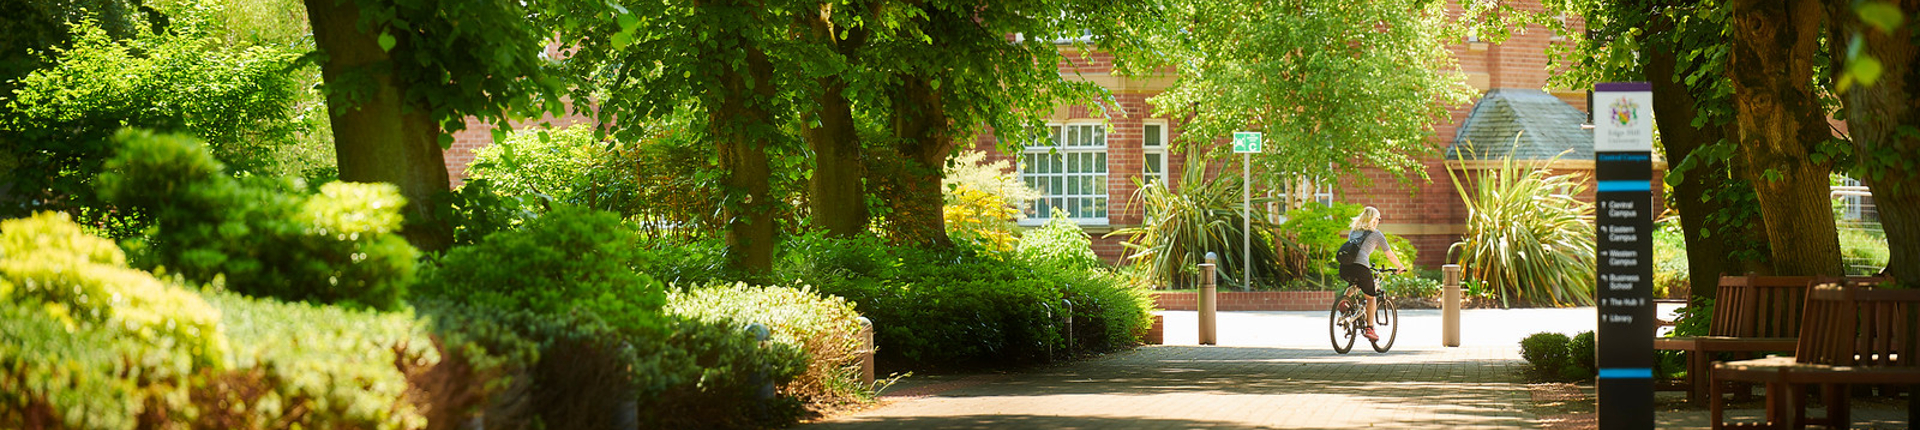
(1546, 126)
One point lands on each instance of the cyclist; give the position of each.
(1363, 238)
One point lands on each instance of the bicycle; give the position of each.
(1344, 320)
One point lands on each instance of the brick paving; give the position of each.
(1272, 370)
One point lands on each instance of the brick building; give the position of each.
(1090, 168)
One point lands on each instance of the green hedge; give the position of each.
(965, 307)
(264, 237)
(92, 344)
(825, 327)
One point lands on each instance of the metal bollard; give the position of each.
(1450, 305)
(1208, 301)
(1067, 317)
(866, 351)
(766, 392)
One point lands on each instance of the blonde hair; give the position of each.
(1369, 219)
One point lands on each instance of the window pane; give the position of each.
(1056, 135)
(1100, 185)
(1073, 208)
(1151, 135)
(1100, 163)
(1099, 135)
(1100, 207)
(1073, 187)
(1057, 186)
(1073, 163)
(1057, 164)
(1150, 163)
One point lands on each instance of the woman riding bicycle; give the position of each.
(1364, 238)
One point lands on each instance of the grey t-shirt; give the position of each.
(1374, 240)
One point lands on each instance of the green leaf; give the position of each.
(622, 39)
(1881, 15)
(387, 41)
(1865, 69)
(446, 141)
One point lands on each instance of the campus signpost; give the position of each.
(1623, 215)
(1246, 143)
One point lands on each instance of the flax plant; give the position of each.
(1197, 214)
(1528, 238)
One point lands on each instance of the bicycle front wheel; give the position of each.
(1340, 322)
(1386, 324)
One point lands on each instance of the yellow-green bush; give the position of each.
(825, 327)
(265, 237)
(89, 341)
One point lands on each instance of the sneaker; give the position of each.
(1368, 332)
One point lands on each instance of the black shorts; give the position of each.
(1360, 276)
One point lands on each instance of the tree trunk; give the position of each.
(742, 129)
(923, 141)
(1875, 116)
(376, 137)
(1779, 122)
(837, 195)
(1710, 246)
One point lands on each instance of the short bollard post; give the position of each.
(866, 351)
(1208, 304)
(1067, 317)
(1450, 305)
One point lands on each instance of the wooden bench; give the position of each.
(1751, 315)
(1851, 335)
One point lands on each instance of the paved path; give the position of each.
(1272, 370)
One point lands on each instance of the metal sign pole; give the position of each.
(1623, 209)
(1246, 143)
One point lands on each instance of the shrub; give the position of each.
(1546, 353)
(265, 239)
(983, 202)
(58, 121)
(1408, 285)
(826, 328)
(569, 259)
(1864, 251)
(965, 306)
(1670, 272)
(317, 367)
(1582, 358)
(89, 342)
(1202, 215)
(1528, 237)
(525, 370)
(661, 175)
(1061, 243)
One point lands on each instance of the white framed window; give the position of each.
(1070, 171)
(1852, 201)
(1153, 152)
(1310, 189)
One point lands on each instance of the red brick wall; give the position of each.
(1249, 301)
(480, 134)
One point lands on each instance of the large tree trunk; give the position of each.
(921, 129)
(376, 137)
(1875, 115)
(836, 192)
(742, 128)
(1700, 192)
(1779, 122)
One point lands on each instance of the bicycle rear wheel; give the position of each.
(1340, 322)
(1386, 324)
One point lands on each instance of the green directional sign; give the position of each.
(1246, 142)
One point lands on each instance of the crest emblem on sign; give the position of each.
(1625, 111)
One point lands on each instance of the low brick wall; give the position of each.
(1250, 301)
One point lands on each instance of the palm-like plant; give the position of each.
(1197, 216)
(1528, 238)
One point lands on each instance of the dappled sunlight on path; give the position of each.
(1233, 388)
